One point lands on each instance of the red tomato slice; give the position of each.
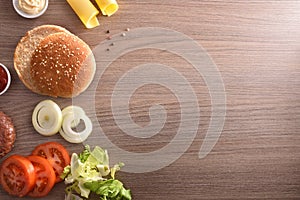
(45, 176)
(17, 175)
(56, 154)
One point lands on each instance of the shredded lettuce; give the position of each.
(109, 189)
(90, 172)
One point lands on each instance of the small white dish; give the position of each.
(26, 15)
(8, 79)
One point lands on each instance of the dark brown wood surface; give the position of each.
(256, 47)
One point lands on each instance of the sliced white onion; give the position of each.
(47, 118)
(76, 110)
(71, 118)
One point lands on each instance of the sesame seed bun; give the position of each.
(62, 65)
(57, 64)
(25, 49)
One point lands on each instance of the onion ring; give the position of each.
(47, 118)
(72, 115)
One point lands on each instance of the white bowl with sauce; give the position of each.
(5, 78)
(27, 14)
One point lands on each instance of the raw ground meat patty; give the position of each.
(7, 134)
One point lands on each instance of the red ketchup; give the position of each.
(3, 79)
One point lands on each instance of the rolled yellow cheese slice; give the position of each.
(108, 7)
(86, 11)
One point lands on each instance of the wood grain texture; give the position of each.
(256, 46)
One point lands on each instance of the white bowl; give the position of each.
(26, 15)
(8, 78)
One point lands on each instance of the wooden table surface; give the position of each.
(256, 48)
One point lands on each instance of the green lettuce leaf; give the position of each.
(93, 167)
(111, 189)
